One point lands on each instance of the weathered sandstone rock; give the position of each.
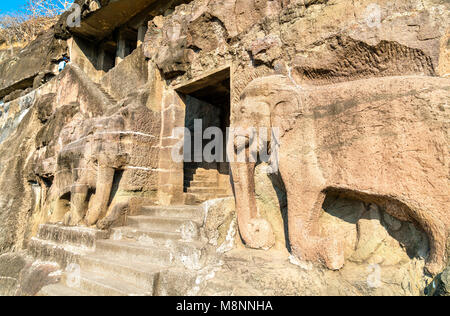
(359, 90)
(41, 56)
(445, 277)
(20, 276)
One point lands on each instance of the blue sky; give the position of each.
(10, 5)
(7, 6)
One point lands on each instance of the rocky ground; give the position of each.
(383, 255)
(311, 42)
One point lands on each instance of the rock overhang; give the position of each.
(99, 20)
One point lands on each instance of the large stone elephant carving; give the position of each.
(381, 140)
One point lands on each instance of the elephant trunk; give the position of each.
(256, 232)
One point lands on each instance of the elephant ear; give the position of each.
(285, 113)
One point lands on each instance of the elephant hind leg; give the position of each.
(437, 233)
(304, 213)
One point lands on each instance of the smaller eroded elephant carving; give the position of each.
(381, 140)
(93, 151)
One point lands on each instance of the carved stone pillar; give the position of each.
(101, 59)
(141, 34)
(121, 48)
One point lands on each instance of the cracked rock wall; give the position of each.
(313, 43)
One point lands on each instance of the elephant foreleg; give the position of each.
(78, 200)
(305, 208)
(98, 207)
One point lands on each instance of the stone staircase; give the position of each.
(107, 95)
(64, 245)
(203, 182)
(131, 261)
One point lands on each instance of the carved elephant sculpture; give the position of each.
(94, 149)
(381, 140)
(88, 163)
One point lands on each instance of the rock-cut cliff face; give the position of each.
(39, 59)
(59, 127)
(325, 46)
(360, 90)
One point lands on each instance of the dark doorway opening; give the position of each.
(208, 100)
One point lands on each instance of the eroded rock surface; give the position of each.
(20, 275)
(359, 90)
(445, 279)
(390, 266)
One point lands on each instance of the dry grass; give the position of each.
(23, 26)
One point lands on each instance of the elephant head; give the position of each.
(268, 102)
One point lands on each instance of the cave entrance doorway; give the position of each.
(207, 102)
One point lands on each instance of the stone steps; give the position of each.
(64, 245)
(193, 212)
(99, 285)
(141, 275)
(107, 95)
(144, 236)
(132, 251)
(196, 199)
(138, 253)
(77, 236)
(218, 288)
(202, 172)
(205, 178)
(156, 223)
(201, 165)
(203, 184)
(60, 290)
(93, 284)
(62, 254)
(132, 261)
(200, 184)
(203, 190)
